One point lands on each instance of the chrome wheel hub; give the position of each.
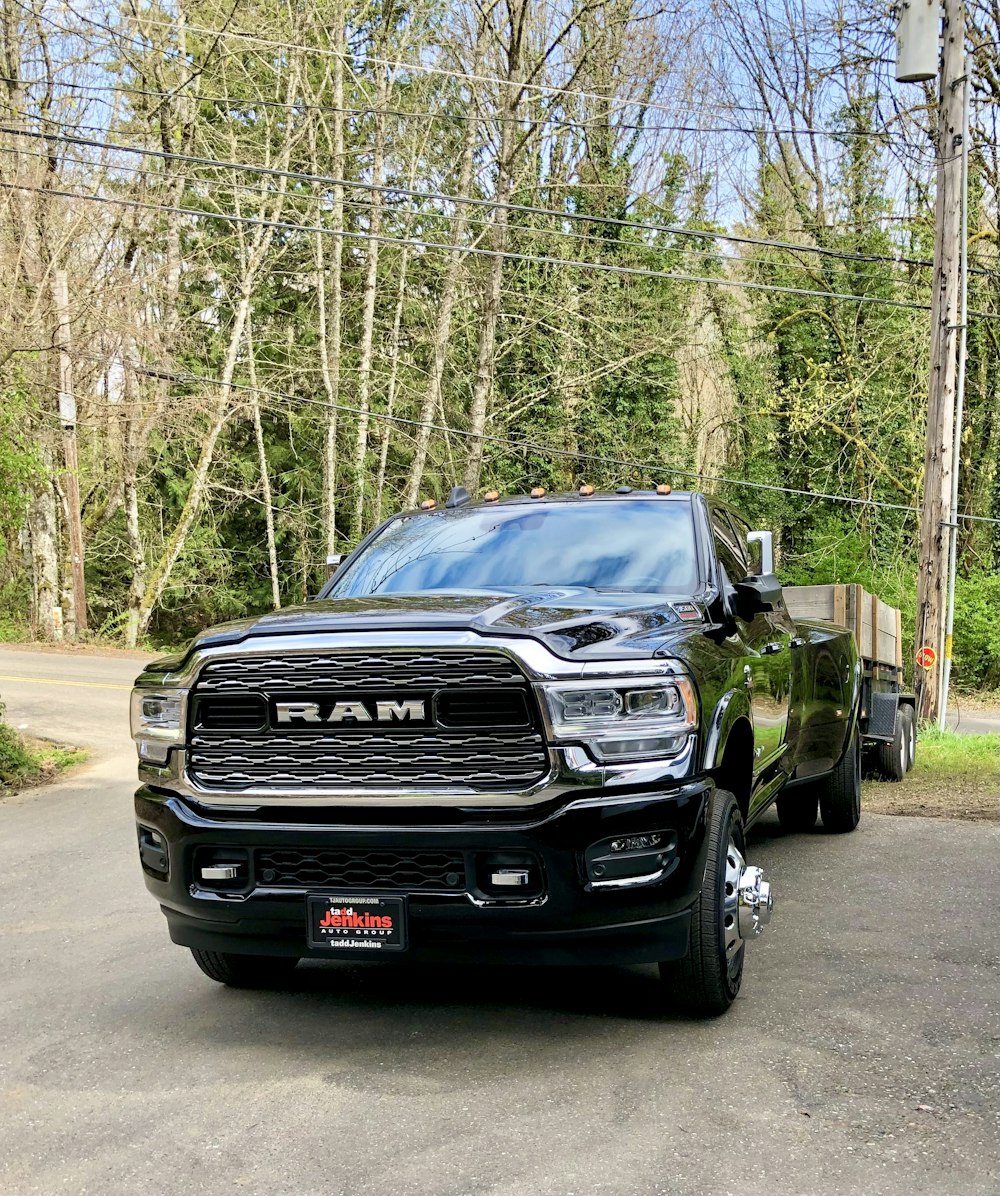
(747, 901)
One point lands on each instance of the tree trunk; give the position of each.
(131, 449)
(43, 544)
(175, 542)
(265, 477)
(329, 306)
(490, 313)
(390, 402)
(252, 260)
(368, 319)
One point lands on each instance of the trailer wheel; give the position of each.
(891, 760)
(910, 732)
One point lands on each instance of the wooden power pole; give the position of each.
(939, 451)
(67, 418)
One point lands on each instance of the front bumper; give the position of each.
(569, 917)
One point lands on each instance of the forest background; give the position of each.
(325, 259)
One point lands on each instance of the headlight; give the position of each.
(157, 722)
(623, 719)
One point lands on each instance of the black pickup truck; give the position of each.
(529, 729)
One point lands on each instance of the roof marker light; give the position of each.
(537, 491)
(586, 490)
(663, 488)
(428, 504)
(491, 496)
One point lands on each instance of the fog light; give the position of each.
(636, 842)
(629, 861)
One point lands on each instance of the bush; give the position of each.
(977, 631)
(16, 762)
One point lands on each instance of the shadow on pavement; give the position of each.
(393, 1007)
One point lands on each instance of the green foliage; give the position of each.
(20, 463)
(977, 631)
(25, 764)
(831, 397)
(807, 392)
(16, 763)
(950, 755)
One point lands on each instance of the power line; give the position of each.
(416, 215)
(477, 251)
(648, 468)
(474, 201)
(395, 64)
(882, 135)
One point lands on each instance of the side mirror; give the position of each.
(761, 552)
(756, 594)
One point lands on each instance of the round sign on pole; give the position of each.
(926, 657)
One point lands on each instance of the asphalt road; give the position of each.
(862, 1056)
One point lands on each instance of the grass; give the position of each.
(25, 761)
(955, 776)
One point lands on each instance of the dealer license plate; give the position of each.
(352, 924)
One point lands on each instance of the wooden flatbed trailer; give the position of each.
(888, 713)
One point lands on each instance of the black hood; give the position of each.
(572, 622)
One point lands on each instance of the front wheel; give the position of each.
(244, 971)
(733, 905)
(840, 792)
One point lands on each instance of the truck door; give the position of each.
(767, 663)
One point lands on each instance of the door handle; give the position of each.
(771, 648)
(798, 642)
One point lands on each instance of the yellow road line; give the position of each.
(57, 681)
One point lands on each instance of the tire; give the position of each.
(840, 793)
(890, 759)
(798, 810)
(704, 983)
(910, 732)
(244, 971)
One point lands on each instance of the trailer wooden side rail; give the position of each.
(888, 714)
(877, 626)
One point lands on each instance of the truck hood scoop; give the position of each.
(571, 621)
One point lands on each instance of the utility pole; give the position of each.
(67, 418)
(963, 337)
(939, 452)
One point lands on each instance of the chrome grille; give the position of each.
(359, 672)
(394, 755)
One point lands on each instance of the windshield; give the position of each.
(643, 545)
